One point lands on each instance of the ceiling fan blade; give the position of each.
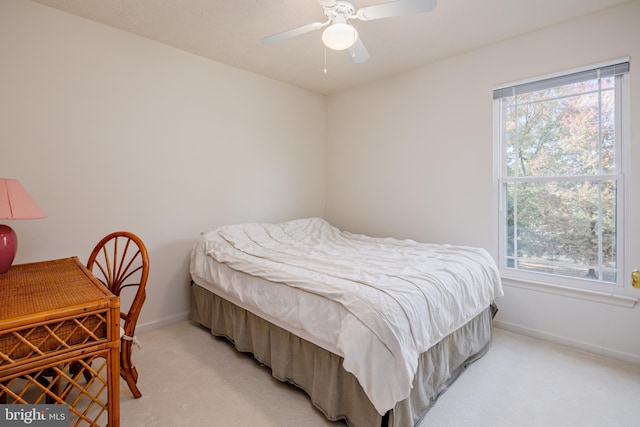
(358, 52)
(327, 3)
(292, 33)
(395, 8)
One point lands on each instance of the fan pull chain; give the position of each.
(325, 59)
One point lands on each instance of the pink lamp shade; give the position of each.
(15, 203)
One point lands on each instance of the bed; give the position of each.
(372, 329)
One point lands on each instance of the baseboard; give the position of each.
(166, 321)
(614, 354)
(511, 327)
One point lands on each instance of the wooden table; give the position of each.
(59, 340)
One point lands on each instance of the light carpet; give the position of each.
(190, 378)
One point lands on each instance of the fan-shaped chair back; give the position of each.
(121, 262)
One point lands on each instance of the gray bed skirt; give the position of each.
(334, 391)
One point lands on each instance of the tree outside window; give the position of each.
(560, 176)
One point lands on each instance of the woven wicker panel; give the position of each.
(52, 338)
(46, 286)
(79, 383)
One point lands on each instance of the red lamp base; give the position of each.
(8, 247)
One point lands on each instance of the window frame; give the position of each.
(557, 283)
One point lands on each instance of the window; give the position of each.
(561, 176)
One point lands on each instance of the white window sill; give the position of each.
(625, 301)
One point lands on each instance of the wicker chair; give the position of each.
(120, 261)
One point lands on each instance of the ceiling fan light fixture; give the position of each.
(339, 36)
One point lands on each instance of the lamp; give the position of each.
(339, 35)
(15, 203)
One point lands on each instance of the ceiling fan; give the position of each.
(340, 34)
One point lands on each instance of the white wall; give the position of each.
(109, 131)
(411, 156)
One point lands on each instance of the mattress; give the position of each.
(377, 303)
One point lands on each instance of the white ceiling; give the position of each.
(229, 31)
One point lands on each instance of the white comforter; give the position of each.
(401, 297)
